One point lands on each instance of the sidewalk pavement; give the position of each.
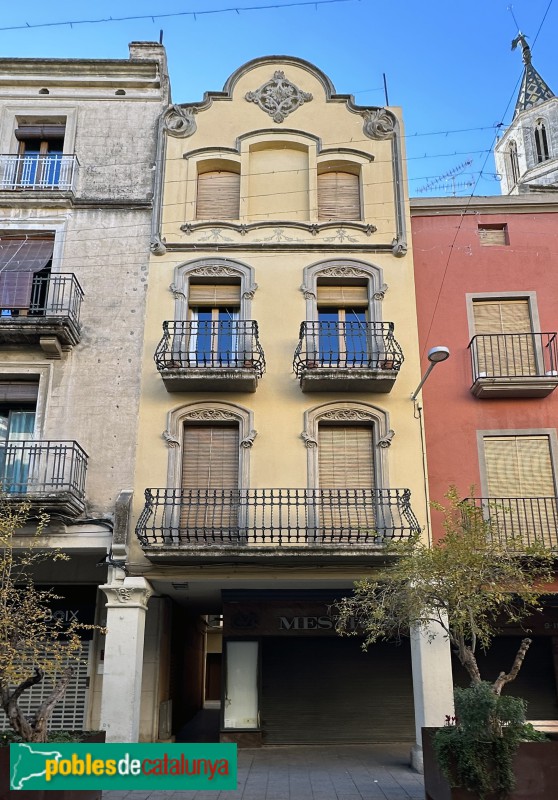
(349, 772)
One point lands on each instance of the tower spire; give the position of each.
(533, 89)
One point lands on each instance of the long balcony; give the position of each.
(50, 315)
(210, 356)
(34, 172)
(48, 474)
(262, 523)
(528, 520)
(347, 357)
(514, 364)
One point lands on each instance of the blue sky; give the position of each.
(448, 65)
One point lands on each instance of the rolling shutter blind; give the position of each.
(489, 235)
(20, 259)
(214, 295)
(18, 391)
(38, 131)
(218, 195)
(348, 295)
(345, 457)
(518, 466)
(338, 196)
(210, 465)
(504, 355)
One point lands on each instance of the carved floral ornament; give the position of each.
(379, 124)
(179, 121)
(278, 97)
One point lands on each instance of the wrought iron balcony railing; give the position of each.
(34, 470)
(223, 344)
(33, 171)
(527, 519)
(276, 517)
(514, 355)
(55, 295)
(353, 345)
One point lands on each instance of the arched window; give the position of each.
(338, 195)
(218, 194)
(513, 162)
(541, 142)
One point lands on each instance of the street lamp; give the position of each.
(435, 355)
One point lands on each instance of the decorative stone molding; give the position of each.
(379, 123)
(340, 236)
(250, 292)
(170, 440)
(309, 441)
(210, 414)
(217, 271)
(134, 593)
(308, 294)
(179, 121)
(176, 292)
(348, 415)
(215, 235)
(278, 97)
(399, 247)
(379, 295)
(279, 236)
(343, 272)
(249, 440)
(385, 441)
(157, 246)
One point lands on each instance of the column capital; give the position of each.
(131, 593)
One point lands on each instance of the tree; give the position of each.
(33, 641)
(469, 584)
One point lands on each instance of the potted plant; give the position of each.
(470, 583)
(34, 642)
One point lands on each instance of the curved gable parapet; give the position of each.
(279, 61)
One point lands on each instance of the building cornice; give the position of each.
(498, 204)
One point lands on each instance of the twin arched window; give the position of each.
(541, 142)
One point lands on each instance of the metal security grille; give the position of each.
(71, 711)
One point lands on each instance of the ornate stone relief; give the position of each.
(308, 293)
(215, 235)
(249, 440)
(278, 97)
(217, 271)
(250, 292)
(399, 247)
(170, 440)
(343, 272)
(347, 415)
(177, 293)
(341, 236)
(157, 246)
(131, 594)
(309, 441)
(379, 124)
(211, 414)
(381, 293)
(179, 121)
(385, 441)
(279, 236)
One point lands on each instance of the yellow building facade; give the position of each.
(277, 439)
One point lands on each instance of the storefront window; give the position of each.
(241, 694)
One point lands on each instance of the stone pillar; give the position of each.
(123, 664)
(432, 683)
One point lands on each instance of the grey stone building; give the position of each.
(78, 143)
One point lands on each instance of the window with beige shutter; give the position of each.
(210, 474)
(338, 196)
(496, 234)
(346, 463)
(520, 476)
(505, 343)
(218, 195)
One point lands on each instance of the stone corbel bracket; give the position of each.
(386, 440)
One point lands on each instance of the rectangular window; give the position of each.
(210, 474)
(40, 147)
(241, 690)
(343, 333)
(520, 483)
(338, 196)
(18, 401)
(25, 262)
(218, 195)
(505, 345)
(213, 333)
(345, 457)
(496, 234)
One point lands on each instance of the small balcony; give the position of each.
(529, 520)
(514, 364)
(34, 172)
(50, 475)
(261, 524)
(347, 357)
(50, 316)
(214, 356)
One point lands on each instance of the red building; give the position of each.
(486, 272)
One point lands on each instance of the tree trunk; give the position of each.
(502, 678)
